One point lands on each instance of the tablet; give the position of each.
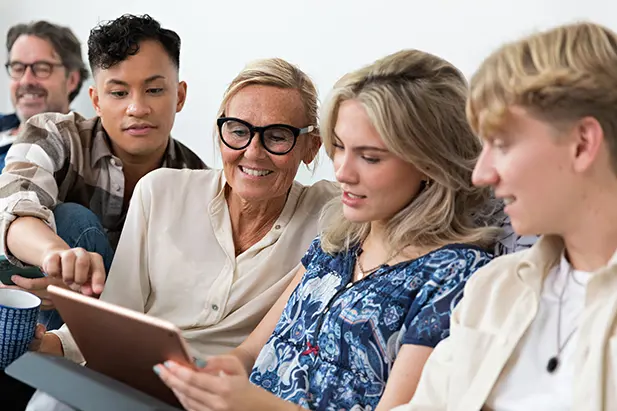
(121, 343)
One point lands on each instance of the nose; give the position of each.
(344, 168)
(484, 173)
(138, 107)
(28, 77)
(255, 149)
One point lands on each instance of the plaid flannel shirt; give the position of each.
(66, 158)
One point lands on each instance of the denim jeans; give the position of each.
(78, 226)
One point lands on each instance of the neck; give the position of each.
(251, 220)
(376, 245)
(591, 239)
(135, 167)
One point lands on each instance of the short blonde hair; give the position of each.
(559, 76)
(416, 101)
(276, 72)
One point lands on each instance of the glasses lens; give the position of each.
(42, 70)
(279, 139)
(16, 70)
(235, 134)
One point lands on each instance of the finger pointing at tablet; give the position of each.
(81, 270)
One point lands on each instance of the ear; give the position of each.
(589, 139)
(72, 81)
(181, 96)
(94, 97)
(314, 144)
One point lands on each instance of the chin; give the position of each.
(354, 216)
(522, 227)
(250, 193)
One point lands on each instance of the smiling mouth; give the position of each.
(351, 195)
(255, 172)
(30, 96)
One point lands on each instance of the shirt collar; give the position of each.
(540, 258)
(543, 256)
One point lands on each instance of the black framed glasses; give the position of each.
(277, 139)
(40, 69)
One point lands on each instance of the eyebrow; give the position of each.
(146, 81)
(363, 148)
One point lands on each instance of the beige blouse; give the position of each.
(176, 258)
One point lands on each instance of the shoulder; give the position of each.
(57, 126)
(315, 196)
(498, 270)
(8, 122)
(316, 257)
(180, 181)
(186, 158)
(459, 255)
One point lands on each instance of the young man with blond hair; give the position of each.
(537, 329)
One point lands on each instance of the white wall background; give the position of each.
(326, 38)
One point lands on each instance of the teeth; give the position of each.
(256, 173)
(508, 200)
(353, 195)
(31, 96)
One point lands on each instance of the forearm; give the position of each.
(29, 239)
(245, 357)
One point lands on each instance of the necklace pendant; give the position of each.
(552, 364)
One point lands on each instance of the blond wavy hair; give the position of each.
(416, 101)
(276, 72)
(559, 76)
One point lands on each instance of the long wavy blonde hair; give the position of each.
(416, 101)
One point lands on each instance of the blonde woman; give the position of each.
(537, 330)
(375, 290)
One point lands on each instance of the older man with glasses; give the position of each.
(46, 72)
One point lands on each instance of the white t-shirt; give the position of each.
(525, 384)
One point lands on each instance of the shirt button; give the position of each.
(277, 227)
(215, 307)
(117, 188)
(113, 162)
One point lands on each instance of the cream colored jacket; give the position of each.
(501, 300)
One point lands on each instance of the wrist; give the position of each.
(51, 344)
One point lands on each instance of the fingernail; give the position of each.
(156, 370)
(200, 363)
(167, 364)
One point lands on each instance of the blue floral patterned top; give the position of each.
(336, 341)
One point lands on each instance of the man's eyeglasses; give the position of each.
(277, 139)
(40, 69)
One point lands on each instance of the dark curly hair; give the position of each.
(62, 39)
(114, 41)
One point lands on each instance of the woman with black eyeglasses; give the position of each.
(212, 250)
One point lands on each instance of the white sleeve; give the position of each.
(128, 283)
